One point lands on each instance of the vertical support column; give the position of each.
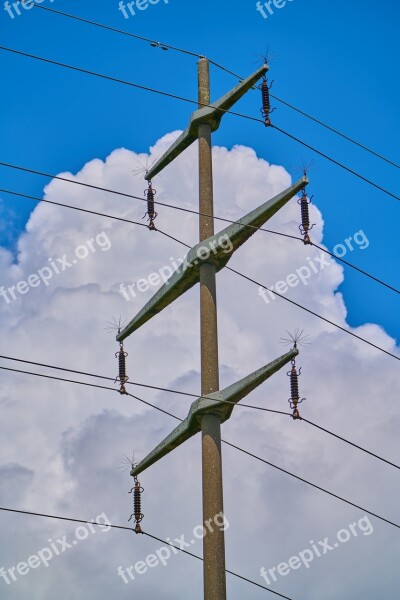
(214, 541)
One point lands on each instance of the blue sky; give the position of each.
(333, 61)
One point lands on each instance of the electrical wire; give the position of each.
(121, 31)
(339, 437)
(121, 219)
(301, 306)
(188, 394)
(311, 312)
(263, 587)
(197, 103)
(336, 162)
(279, 233)
(221, 67)
(318, 121)
(224, 441)
(145, 533)
(229, 402)
(253, 281)
(337, 132)
(321, 489)
(266, 288)
(85, 210)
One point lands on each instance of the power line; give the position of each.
(311, 312)
(224, 441)
(125, 528)
(175, 96)
(331, 254)
(263, 587)
(261, 408)
(339, 437)
(300, 306)
(321, 489)
(245, 276)
(344, 136)
(121, 31)
(308, 116)
(85, 210)
(174, 207)
(221, 67)
(191, 395)
(233, 270)
(337, 163)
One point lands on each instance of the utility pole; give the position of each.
(214, 406)
(213, 504)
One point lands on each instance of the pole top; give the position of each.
(211, 115)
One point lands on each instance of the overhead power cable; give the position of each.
(174, 207)
(300, 306)
(120, 31)
(85, 210)
(175, 96)
(191, 395)
(253, 281)
(272, 291)
(336, 162)
(318, 121)
(224, 441)
(221, 67)
(311, 312)
(149, 535)
(260, 408)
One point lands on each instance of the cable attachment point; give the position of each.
(137, 505)
(122, 377)
(151, 213)
(266, 102)
(305, 226)
(158, 45)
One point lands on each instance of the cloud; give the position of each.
(62, 443)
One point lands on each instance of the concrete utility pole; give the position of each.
(213, 504)
(214, 406)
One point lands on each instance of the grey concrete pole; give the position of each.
(214, 541)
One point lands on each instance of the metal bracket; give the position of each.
(211, 115)
(188, 274)
(214, 403)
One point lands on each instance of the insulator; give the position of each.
(137, 505)
(122, 377)
(266, 102)
(294, 385)
(294, 399)
(151, 213)
(305, 217)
